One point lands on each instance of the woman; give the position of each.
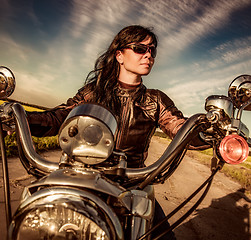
(116, 82)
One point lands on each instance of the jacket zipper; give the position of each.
(122, 124)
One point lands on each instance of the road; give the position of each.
(223, 215)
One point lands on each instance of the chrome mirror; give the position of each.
(240, 92)
(7, 82)
(220, 103)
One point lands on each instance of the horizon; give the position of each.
(51, 46)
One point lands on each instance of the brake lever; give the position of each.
(7, 118)
(249, 142)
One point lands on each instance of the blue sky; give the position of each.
(51, 45)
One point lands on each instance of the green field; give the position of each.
(27, 108)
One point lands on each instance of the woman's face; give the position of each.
(135, 64)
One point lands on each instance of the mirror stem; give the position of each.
(238, 117)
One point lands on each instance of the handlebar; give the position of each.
(33, 162)
(39, 166)
(188, 131)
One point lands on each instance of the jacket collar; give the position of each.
(136, 93)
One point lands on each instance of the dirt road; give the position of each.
(223, 215)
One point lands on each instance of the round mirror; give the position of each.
(7, 82)
(240, 91)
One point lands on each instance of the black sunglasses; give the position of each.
(142, 49)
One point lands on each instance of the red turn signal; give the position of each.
(234, 149)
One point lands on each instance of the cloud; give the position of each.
(89, 16)
(182, 23)
(233, 51)
(231, 57)
(50, 69)
(31, 89)
(191, 95)
(10, 47)
(189, 90)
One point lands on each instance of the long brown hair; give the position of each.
(106, 70)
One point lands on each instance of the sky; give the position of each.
(51, 45)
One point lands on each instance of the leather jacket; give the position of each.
(143, 110)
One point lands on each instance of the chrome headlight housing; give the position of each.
(87, 134)
(58, 221)
(59, 215)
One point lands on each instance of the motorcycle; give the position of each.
(90, 193)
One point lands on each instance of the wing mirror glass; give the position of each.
(7, 82)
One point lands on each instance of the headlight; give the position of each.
(60, 217)
(58, 222)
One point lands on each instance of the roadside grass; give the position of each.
(41, 144)
(240, 173)
(26, 106)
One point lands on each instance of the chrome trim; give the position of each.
(91, 143)
(220, 102)
(240, 91)
(140, 227)
(87, 178)
(143, 203)
(30, 203)
(187, 128)
(140, 202)
(96, 111)
(7, 82)
(37, 162)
